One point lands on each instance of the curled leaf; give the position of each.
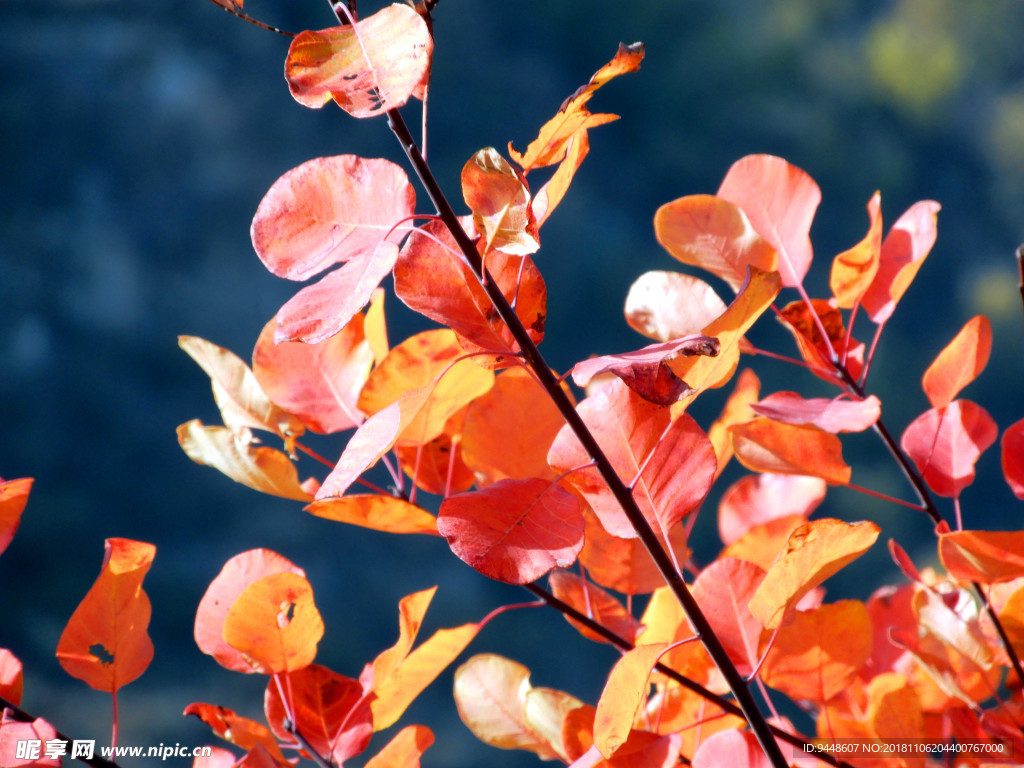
(830, 415)
(500, 202)
(853, 270)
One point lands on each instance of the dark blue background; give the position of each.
(136, 140)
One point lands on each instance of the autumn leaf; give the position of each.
(13, 498)
(623, 695)
(723, 590)
(404, 749)
(984, 556)
(731, 748)
(894, 708)
(375, 511)
(14, 731)
(437, 466)
(959, 363)
(331, 711)
(945, 443)
(105, 642)
(780, 200)
(236, 729)
(550, 195)
(814, 551)
(1013, 457)
(669, 305)
(500, 202)
(319, 383)
(515, 530)
(239, 396)
(757, 499)
(903, 252)
(763, 445)
(595, 603)
(368, 69)
(274, 623)
(737, 409)
(236, 575)
(834, 415)
(817, 655)
(855, 269)
(817, 350)
(264, 469)
(11, 681)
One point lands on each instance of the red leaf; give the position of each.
(730, 749)
(668, 305)
(1013, 457)
(327, 210)
(319, 383)
(903, 251)
(10, 677)
(500, 202)
(723, 591)
(332, 712)
(780, 201)
(594, 602)
(367, 70)
(815, 349)
(237, 574)
(235, 729)
(322, 309)
(13, 498)
(646, 370)
(946, 442)
(515, 530)
(853, 270)
(984, 556)
(959, 363)
(768, 446)
(714, 234)
(105, 642)
(835, 415)
(757, 499)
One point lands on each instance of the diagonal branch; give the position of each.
(21, 716)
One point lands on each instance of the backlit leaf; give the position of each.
(545, 713)
(762, 543)
(669, 305)
(381, 513)
(331, 711)
(514, 530)
(816, 349)
(574, 118)
(275, 624)
(235, 729)
(1013, 457)
(550, 195)
(959, 363)
(105, 642)
(830, 415)
(946, 442)
(814, 551)
(594, 602)
(817, 655)
(903, 251)
(437, 466)
(894, 708)
(367, 70)
(763, 445)
(756, 499)
(500, 202)
(723, 591)
(236, 575)
(264, 469)
(319, 383)
(730, 749)
(327, 210)
(984, 556)
(14, 731)
(404, 749)
(240, 398)
(714, 234)
(779, 199)
(736, 410)
(11, 681)
(623, 695)
(13, 497)
(853, 270)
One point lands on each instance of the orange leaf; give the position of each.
(945, 443)
(903, 252)
(236, 575)
(818, 654)
(853, 270)
(235, 729)
(723, 590)
(763, 445)
(1013, 457)
(381, 513)
(730, 749)
(760, 544)
(835, 415)
(437, 466)
(551, 194)
(274, 623)
(594, 602)
(319, 383)
(500, 202)
(623, 695)
(331, 711)
(367, 70)
(573, 119)
(328, 210)
(736, 409)
(959, 363)
(264, 469)
(814, 551)
(757, 499)
(894, 708)
(669, 305)
(10, 677)
(105, 642)
(404, 749)
(985, 556)
(13, 498)
(240, 398)
(514, 530)
(713, 234)
(411, 610)
(816, 350)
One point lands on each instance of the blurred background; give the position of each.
(136, 141)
